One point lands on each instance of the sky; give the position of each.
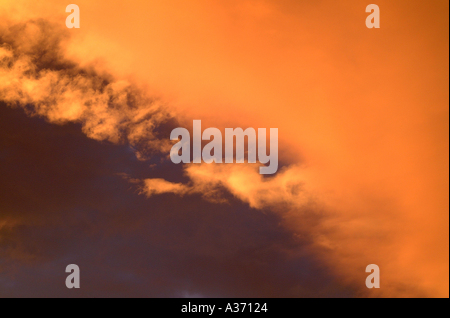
(363, 125)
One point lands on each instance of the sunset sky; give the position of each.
(363, 127)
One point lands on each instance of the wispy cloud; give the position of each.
(36, 76)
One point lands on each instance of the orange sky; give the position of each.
(362, 112)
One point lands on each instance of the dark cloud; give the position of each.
(66, 202)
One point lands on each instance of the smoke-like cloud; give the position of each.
(242, 181)
(36, 76)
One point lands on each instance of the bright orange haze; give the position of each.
(362, 112)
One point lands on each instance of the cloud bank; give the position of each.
(352, 200)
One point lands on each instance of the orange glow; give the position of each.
(362, 114)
